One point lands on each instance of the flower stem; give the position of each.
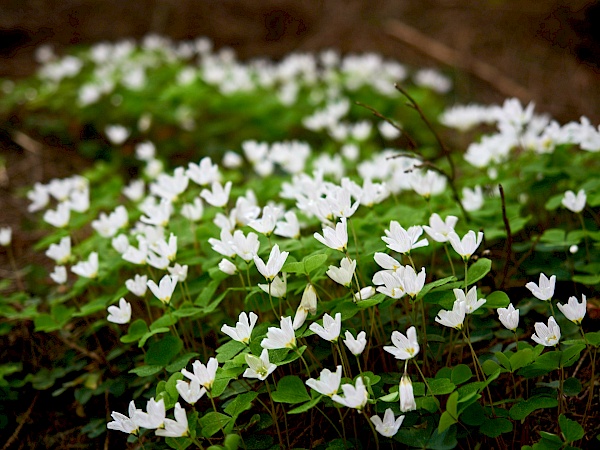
(372, 429)
(449, 258)
(274, 415)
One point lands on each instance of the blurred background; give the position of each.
(546, 51)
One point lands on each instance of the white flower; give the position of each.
(60, 252)
(193, 211)
(545, 290)
(389, 426)
(178, 271)
(470, 299)
(454, 318)
(232, 160)
(154, 417)
(59, 276)
(120, 314)
(87, 269)
(203, 374)
(259, 368)
(328, 382)
(191, 392)
(573, 310)
(439, 229)
(343, 274)
(277, 288)
(137, 285)
(134, 191)
(407, 397)
(177, 427)
(283, 337)
(218, 195)
(204, 173)
(120, 243)
(246, 247)
(354, 396)
(547, 336)
(290, 228)
(573, 202)
(164, 290)
(60, 217)
(356, 345)
(412, 283)
(117, 134)
(509, 317)
(472, 198)
(266, 224)
(123, 423)
(5, 236)
(331, 328)
(405, 347)
(243, 328)
(364, 293)
(403, 241)
(274, 264)
(39, 197)
(224, 246)
(427, 183)
(466, 246)
(336, 239)
(227, 267)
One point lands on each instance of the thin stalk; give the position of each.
(342, 435)
(449, 258)
(212, 401)
(585, 238)
(372, 429)
(274, 415)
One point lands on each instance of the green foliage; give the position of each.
(318, 157)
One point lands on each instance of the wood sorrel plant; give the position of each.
(208, 299)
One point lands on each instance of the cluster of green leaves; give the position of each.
(457, 402)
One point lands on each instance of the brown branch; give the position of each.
(451, 57)
(84, 351)
(411, 142)
(21, 421)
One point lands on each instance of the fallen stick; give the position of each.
(447, 55)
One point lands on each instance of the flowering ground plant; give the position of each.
(372, 283)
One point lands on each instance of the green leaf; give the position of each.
(543, 364)
(571, 430)
(146, 371)
(314, 262)
(163, 351)
(495, 427)
(149, 334)
(593, 338)
(180, 362)
(452, 405)
(473, 415)
(440, 386)
(503, 360)
(135, 331)
(571, 354)
(522, 409)
(434, 284)
(497, 299)
(521, 358)
(290, 389)
(478, 270)
(306, 406)
(293, 267)
(572, 386)
(212, 422)
(228, 350)
(461, 374)
(241, 403)
(165, 321)
(446, 420)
